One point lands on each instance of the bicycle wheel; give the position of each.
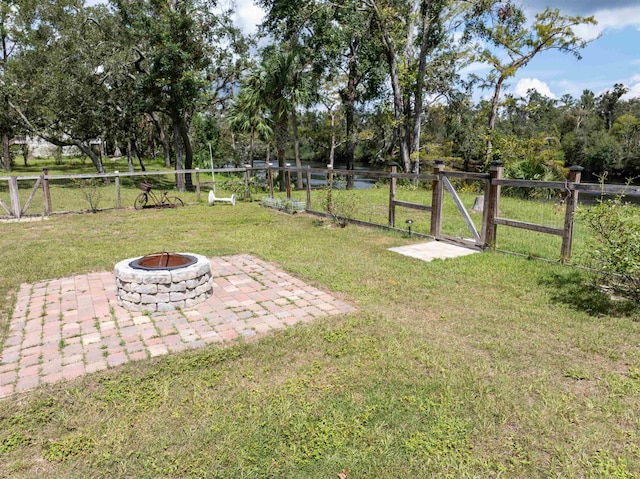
(141, 201)
(174, 201)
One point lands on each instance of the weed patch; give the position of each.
(68, 447)
(13, 440)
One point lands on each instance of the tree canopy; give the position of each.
(333, 81)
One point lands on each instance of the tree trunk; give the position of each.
(332, 152)
(151, 143)
(252, 140)
(188, 154)
(87, 150)
(129, 159)
(296, 137)
(422, 66)
(398, 101)
(351, 142)
(136, 153)
(492, 117)
(350, 108)
(166, 147)
(6, 154)
(177, 140)
(281, 145)
(25, 153)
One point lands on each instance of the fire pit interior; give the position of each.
(164, 260)
(163, 281)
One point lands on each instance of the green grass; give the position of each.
(482, 366)
(75, 194)
(372, 206)
(368, 205)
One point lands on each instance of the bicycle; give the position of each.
(148, 199)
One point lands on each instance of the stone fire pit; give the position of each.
(163, 281)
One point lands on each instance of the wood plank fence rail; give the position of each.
(15, 210)
(439, 180)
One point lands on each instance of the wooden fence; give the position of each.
(439, 179)
(491, 219)
(17, 210)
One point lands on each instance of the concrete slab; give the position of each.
(433, 250)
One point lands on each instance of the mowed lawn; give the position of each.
(483, 366)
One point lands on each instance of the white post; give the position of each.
(118, 199)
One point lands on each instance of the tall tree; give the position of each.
(56, 78)
(505, 30)
(281, 88)
(626, 129)
(9, 38)
(608, 102)
(177, 43)
(335, 42)
(422, 59)
(249, 113)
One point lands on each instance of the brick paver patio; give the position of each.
(64, 328)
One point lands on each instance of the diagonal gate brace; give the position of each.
(462, 209)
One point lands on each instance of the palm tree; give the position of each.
(284, 89)
(278, 85)
(249, 114)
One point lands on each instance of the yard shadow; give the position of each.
(580, 290)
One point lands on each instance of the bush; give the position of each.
(536, 170)
(91, 191)
(340, 205)
(614, 245)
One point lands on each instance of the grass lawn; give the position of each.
(482, 366)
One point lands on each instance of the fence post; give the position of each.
(493, 202)
(393, 183)
(197, 184)
(247, 181)
(288, 179)
(118, 197)
(15, 197)
(436, 199)
(45, 192)
(270, 175)
(308, 173)
(575, 174)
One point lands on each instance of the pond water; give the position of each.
(318, 179)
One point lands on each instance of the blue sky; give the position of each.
(613, 57)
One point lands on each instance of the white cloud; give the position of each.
(576, 87)
(634, 92)
(475, 67)
(588, 32)
(618, 18)
(248, 16)
(610, 19)
(527, 84)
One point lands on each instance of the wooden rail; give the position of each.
(438, 179)
(529, 226)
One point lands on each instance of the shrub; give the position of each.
(533, 169)
(91, 191)
(340, 205)
(614, 244)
